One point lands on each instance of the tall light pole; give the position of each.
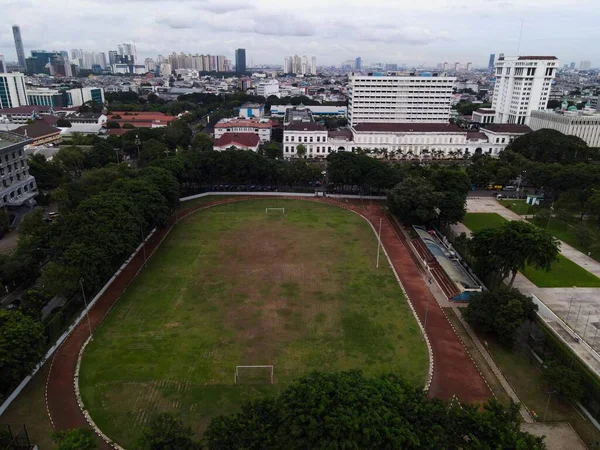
(548, 403)
(87, 313)
(379, 241)
(117, 154)
(143, 245)
(137, 143)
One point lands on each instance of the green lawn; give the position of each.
(564, 272)
(566, 234)
(519, 206)
(234, 286)
(477, 221)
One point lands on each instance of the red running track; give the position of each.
(454, 371)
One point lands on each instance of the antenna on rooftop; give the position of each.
(520, 36)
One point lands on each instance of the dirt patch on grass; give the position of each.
(280, 283)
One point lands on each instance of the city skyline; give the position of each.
(412, 34)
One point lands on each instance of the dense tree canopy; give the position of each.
(551, 146)
(507, 249)
(347, 410)
(501, 312)
(165, 432)
(22, 345)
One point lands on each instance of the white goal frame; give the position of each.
(274, 209)
(235, 379)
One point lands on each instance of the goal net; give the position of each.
(279, 210)
(253, 374)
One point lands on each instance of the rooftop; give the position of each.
(252, 105)
(305, 126)
(411, 127)
(7, 139)
(507, 128)
(485, 111)
(256, 123)
(37, 130)
(241, 139)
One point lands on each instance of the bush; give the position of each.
(112, 124)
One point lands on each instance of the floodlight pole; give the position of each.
(87, 313)
(379, 242)
(548, 403)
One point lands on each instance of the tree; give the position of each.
(501, 312)
(273, 151)
(551, 146)
(202, 142)
(22, 346)
(507, 249)
(48, 175)
(71, 159)
(593, 204)
(414, 200)
(112, 124)
(63, 123)
(585, 237)
(178, 134)
(4, 222)
(346, 410)
(301, 151)
(565, 381)
(128, 126)
(75, 439)
(165, 432)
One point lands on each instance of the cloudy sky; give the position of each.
(398, 31)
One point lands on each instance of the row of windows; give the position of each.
(7, 183)
(291, 139)
(18, 192)
(10, 168)
(13, 154)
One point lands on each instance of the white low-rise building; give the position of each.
(260, 127)
(317, 110)
(400, 140)
(583, 124)
(267, 88)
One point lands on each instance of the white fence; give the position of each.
(61, 339)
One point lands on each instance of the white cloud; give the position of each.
(334, 30)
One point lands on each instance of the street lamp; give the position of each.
(548, 403)
(87, 313)
(116, 149)
(137, 142)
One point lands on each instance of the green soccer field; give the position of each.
(232, 286)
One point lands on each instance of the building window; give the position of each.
(287, 139)
(14, 155)
(311, 139)
(305, 139)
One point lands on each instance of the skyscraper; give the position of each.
(2, 64)
(492, 61)
(12, 90)
(240, 60)
(358, 64)
(523, 85)
(585, 65)
(313, 65)
(19, 45)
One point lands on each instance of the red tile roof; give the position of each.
(476, 135)
(37, 130)
(141, 119)
(25, 109)
(248, 140)
(507, 128)
(416, 127)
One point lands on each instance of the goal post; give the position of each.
(281, 210)
(254, 374)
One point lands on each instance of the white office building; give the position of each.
(18, 185)
(267, 87)
(260, 127)
(13, 92)
(398, 99)
(400, 141)
(523, 85)
(583, 124)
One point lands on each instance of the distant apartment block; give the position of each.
(267, 88)
(399, 99)
(18, 186)
(13, 92)
(523, 85)
(583, 124)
